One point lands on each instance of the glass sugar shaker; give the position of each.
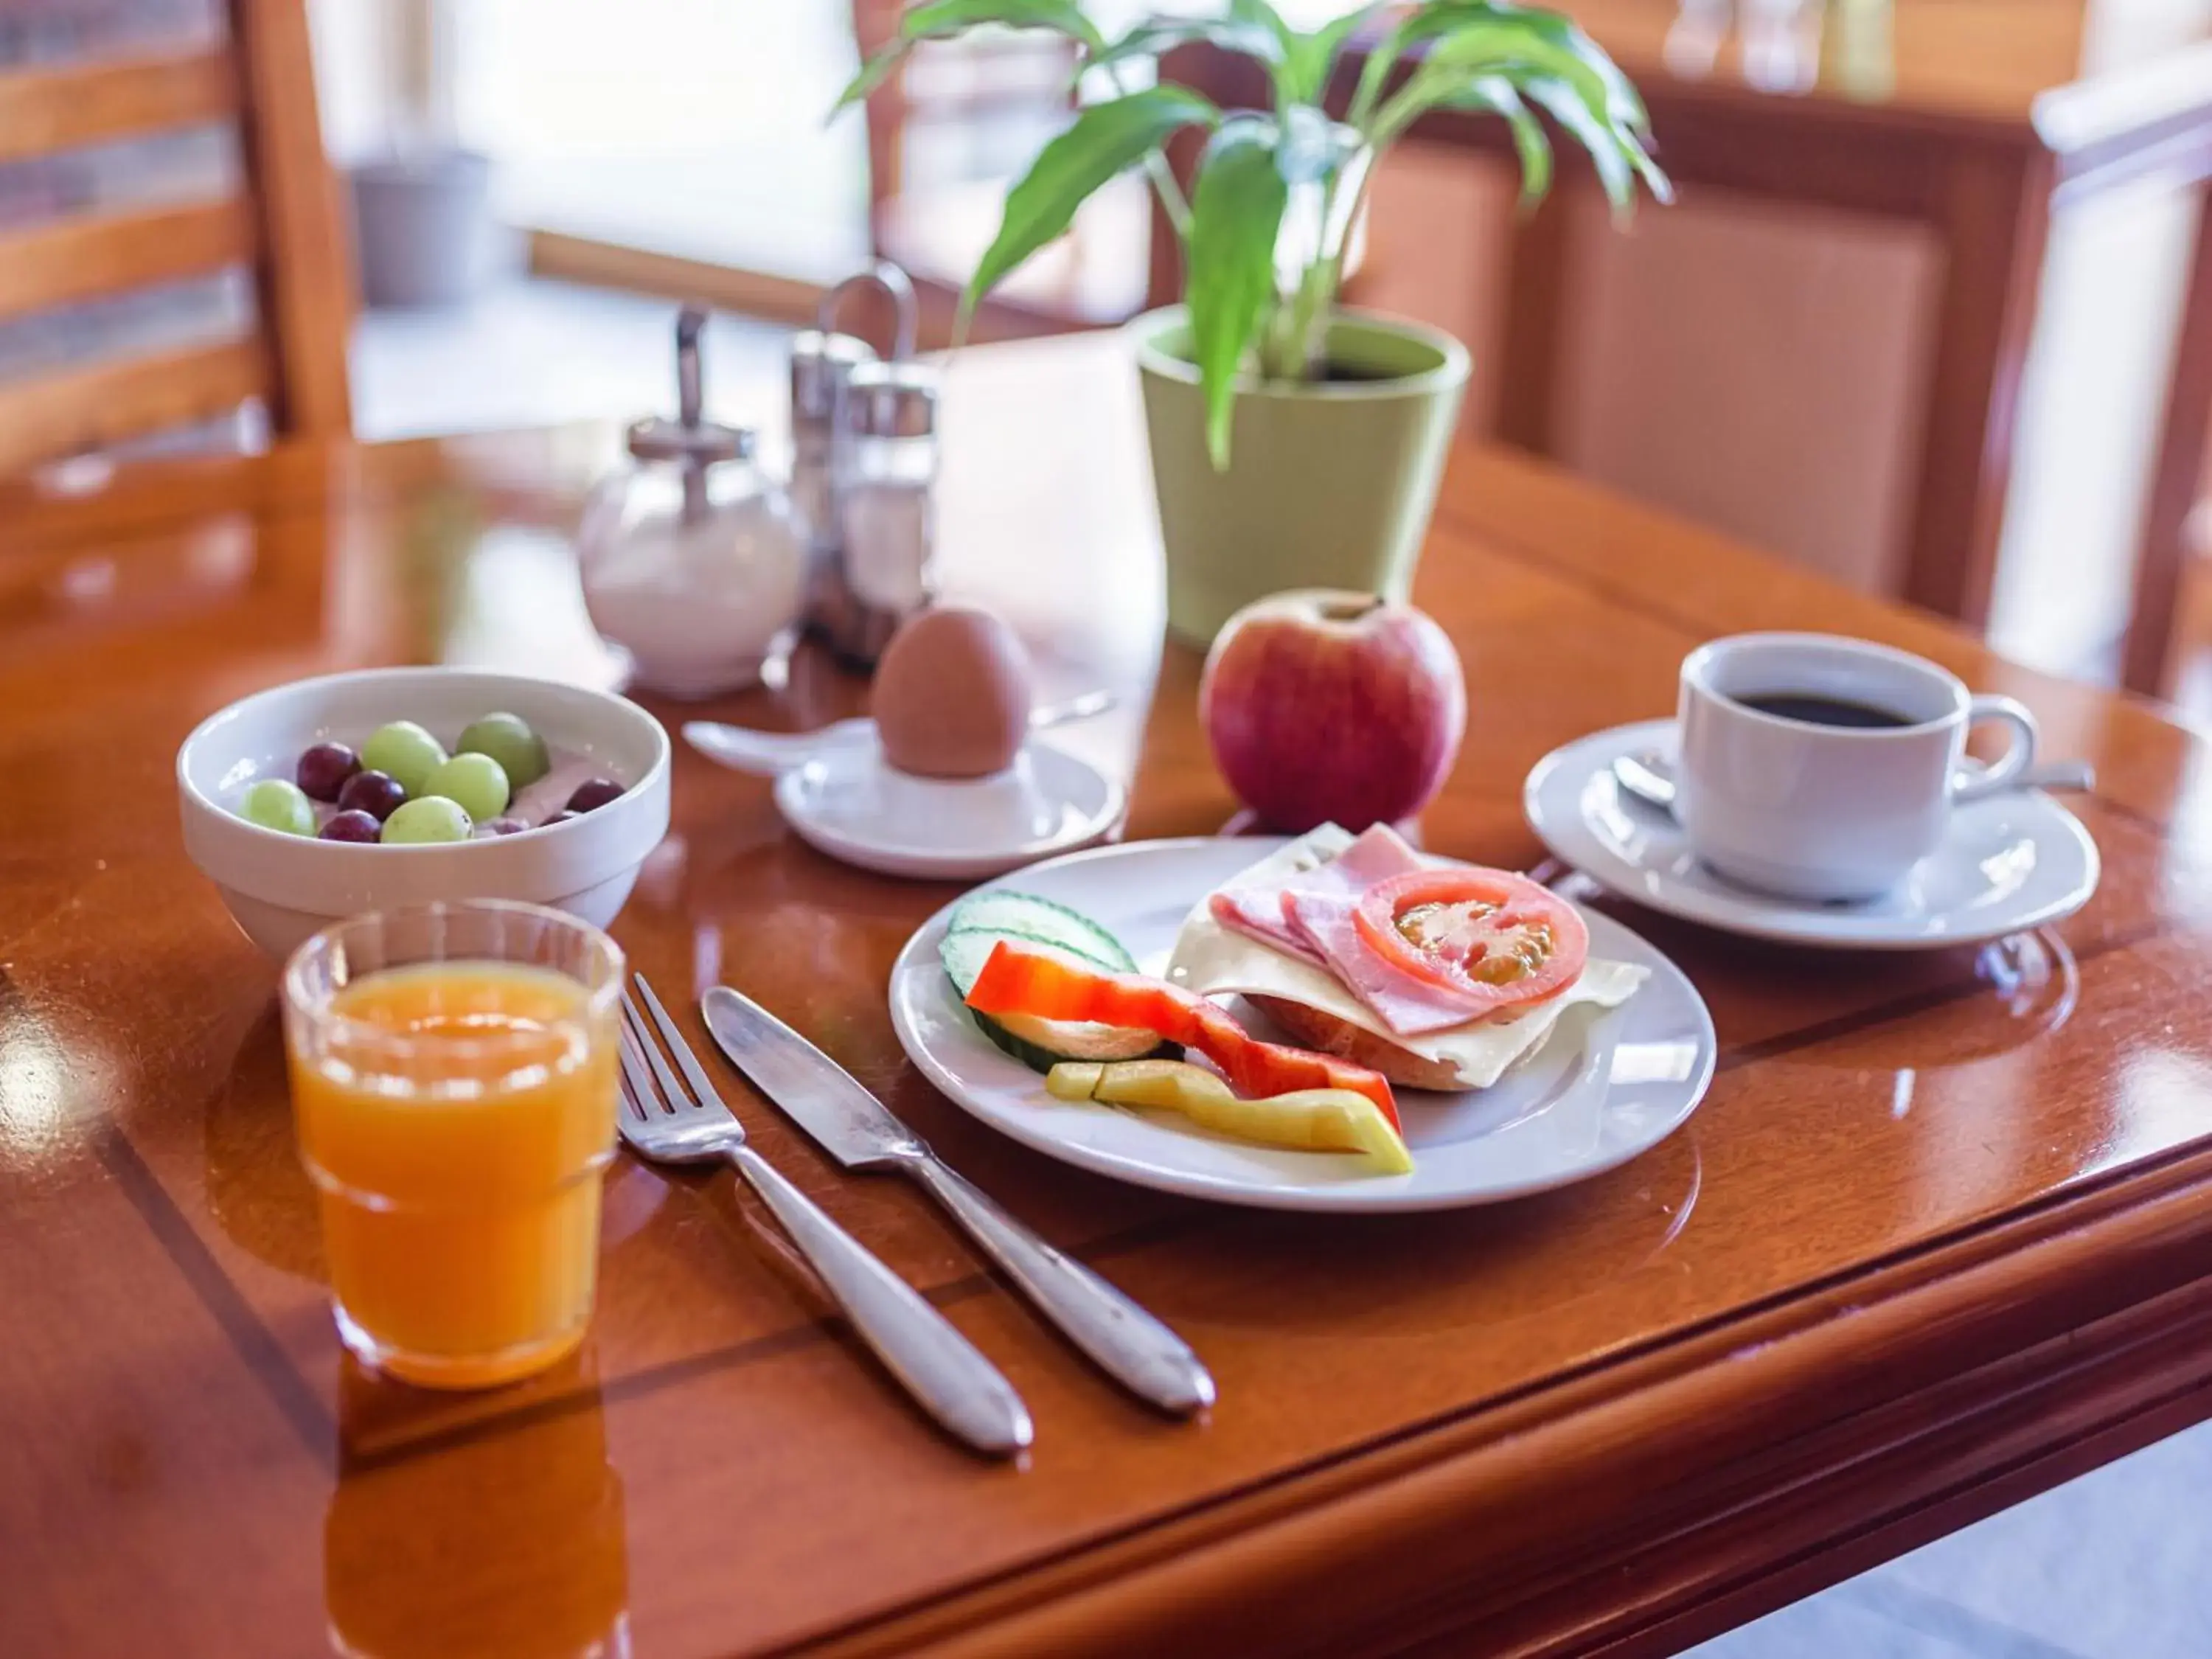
(822, 359)
(886, 464)
(694, 561)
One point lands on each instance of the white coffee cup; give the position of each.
(1813, 810)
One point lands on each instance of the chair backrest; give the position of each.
(173, 246)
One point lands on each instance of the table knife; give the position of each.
(861, 1133)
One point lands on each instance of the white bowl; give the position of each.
(283, 888)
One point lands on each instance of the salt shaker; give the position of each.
(886, 479)
(694, 561)
(822, 359)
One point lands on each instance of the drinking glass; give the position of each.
(453, 1073)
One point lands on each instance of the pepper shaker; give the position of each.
(886, 477)
(693, 560)
(821, 360)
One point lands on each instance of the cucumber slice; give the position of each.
(1040, 1044)
(1023, 916)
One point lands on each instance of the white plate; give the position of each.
(2010, 863)
(1607, 1086)
(847, 803)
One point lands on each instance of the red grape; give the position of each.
(593, 794)
(377, 793)
(503, 826)
(561, 816)
(352, 826)
(324, 768)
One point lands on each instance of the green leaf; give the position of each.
(873, 73)
(1313, 54)
(934, 19)
(1236, 210)
(1156, 35)
(1474, 47)
(1105, 139)
(1477, 50)
(1440, 18)
(1603, 141)
(937, 19)
(1264, 14)
(1497, 93)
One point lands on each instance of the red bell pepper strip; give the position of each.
(1015, 980)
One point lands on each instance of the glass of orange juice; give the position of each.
(454, 1084)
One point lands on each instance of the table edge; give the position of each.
(2029, 1289)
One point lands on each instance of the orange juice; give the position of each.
(456, 1116)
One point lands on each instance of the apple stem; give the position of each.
(1350, 612)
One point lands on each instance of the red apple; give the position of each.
(1327, 706)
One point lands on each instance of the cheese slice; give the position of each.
(1214, 961)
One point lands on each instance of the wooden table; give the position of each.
(1973, 118)
(1932, 1243)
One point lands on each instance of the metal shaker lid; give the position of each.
(890, 400)
(894, 284)
(820, 361)
(690, 436)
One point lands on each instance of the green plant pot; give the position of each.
(1328, 485)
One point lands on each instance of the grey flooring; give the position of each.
(2117, 1565)
(2114, 1566)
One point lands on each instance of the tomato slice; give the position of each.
(1498, 937)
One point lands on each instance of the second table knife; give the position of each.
(860, 1132)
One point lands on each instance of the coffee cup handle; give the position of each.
(2004, 772)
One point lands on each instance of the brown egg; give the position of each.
(952, 695)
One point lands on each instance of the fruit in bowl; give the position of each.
(333, 832)
(1329, 706)
(343, 794)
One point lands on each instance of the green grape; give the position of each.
(278, 804)
(428, 818)
(475, 782)
(403, 750)
(508, 739)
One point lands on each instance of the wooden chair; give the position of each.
(284, 224)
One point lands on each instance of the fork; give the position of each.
(940, 1368)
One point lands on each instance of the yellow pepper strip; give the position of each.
(1305, 1120)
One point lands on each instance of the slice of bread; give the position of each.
(1312, 1029)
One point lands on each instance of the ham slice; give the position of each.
(1308, 914)
(1259, 909)
(1409, 1004)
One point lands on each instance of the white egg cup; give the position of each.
(849, 802)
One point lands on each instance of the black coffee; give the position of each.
(1824, 711)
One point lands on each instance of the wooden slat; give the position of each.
(49, 109)
(307, 273)
(598, 263)
(91, 255)
(104, 403)
(774, 298)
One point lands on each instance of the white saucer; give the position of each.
(1605, 1088)
(847, 803)
(2010, 863)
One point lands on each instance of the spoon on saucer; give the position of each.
(1650, 776)
(766, 753)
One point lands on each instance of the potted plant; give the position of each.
(1295, 443)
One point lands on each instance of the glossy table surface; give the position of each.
(1930, 1242)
